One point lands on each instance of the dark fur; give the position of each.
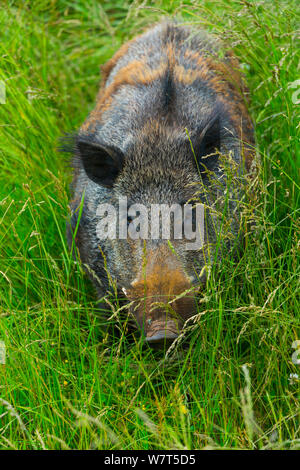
(135, 144)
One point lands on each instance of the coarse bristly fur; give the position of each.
(169, 114)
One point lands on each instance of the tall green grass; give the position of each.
(68, 382)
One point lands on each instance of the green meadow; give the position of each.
(71, 376)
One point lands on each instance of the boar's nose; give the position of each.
(162, 331)
(161, 336)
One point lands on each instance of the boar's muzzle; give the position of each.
(163, 297)
(160, 331)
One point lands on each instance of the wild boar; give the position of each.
(169, 114)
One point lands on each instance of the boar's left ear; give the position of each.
(207, 145)
(102, 163)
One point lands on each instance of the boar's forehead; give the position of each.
(160, 167)
(155, 192)
(168, 148)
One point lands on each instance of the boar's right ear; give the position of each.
(102, 163)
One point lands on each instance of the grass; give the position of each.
(66, 382)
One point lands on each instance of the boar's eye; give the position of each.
(190, 216)
(102, 163)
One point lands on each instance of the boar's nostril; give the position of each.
(161, 331)
(161, 336)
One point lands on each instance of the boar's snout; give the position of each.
(160, 331)
(163, 297)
